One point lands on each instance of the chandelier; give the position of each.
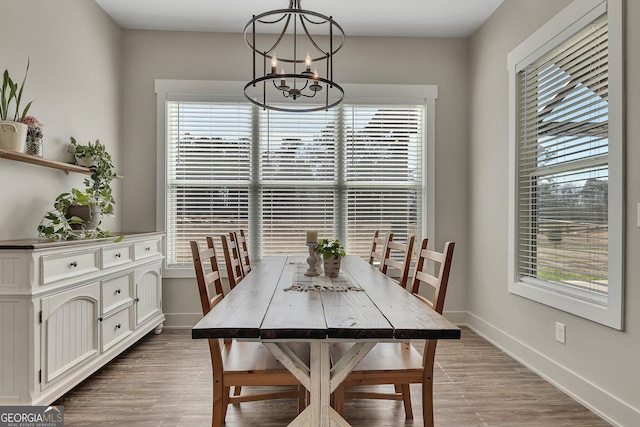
(292, 77)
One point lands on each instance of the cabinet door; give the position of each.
(69, 330)
(148, 300)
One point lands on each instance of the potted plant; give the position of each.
(77, 215)
(13, 133)
(332, 253)
(98, 159)
(63, 224)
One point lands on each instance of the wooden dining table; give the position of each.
(276, 304)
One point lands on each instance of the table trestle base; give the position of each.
(320, 379)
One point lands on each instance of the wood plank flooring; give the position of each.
(165, 380)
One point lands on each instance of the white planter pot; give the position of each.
(13, 135)
(332, 266)
(84, 161)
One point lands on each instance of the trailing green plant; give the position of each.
(102, 173)
(330, 249)
(11, 91)
(58, 225)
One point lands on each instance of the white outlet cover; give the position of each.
(561, 330)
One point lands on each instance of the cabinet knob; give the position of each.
(73, 264)
(118, 326)
(148, 248)
(100, 319)
(118, 291)
(137, 299)
(118, 255)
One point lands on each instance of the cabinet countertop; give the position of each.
(30, 244)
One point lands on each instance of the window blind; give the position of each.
(209, 173)
(563, 164)
(345, 172)
(383, 172)
(298, 167)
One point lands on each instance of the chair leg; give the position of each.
(237, 390)
(406, 397)
(219, 404)
(427, 401)
(225, 406)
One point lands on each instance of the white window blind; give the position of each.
(563, 169)
(209, 172)
(345, 173)
(298, 176)
(383, 172)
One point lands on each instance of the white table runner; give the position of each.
(322, 283)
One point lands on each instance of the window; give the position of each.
(566, 174)
(345, 172)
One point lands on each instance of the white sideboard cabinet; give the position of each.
(68, 308)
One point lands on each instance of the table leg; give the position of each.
(320, 379)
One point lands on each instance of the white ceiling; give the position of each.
(409, 18)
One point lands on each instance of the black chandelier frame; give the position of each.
(311, 82)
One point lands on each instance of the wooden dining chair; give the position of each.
(243, 251)
(379, 247)
(232, 259)
(236, 363)
(401, 364)
(397, 255)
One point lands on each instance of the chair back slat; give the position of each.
(402, 251)
(427, 278)
(206, 280)
(231, 259)
(437, 282)
(379, 247)
(243, 252)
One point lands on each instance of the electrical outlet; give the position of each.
(561, 331)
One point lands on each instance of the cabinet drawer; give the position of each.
(116, 255)
(116, 328)
(70, 264)
(146, 249)
(116, 292)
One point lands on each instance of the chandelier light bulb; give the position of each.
(307, 61)
(274, 64)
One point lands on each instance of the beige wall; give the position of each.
(597, 364)
(75, 79)
(90, 78)
(150, 55)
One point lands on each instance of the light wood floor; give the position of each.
(165, 380)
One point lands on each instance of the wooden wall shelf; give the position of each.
(35, 160)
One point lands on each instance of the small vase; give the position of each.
(34, 147)
(332, 266)
(13, 135)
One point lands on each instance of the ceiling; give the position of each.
(399, 18)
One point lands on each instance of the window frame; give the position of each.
(562, 26)
(200, 90)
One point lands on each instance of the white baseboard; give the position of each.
(456, 317)
(609, 407)
(181, 320)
